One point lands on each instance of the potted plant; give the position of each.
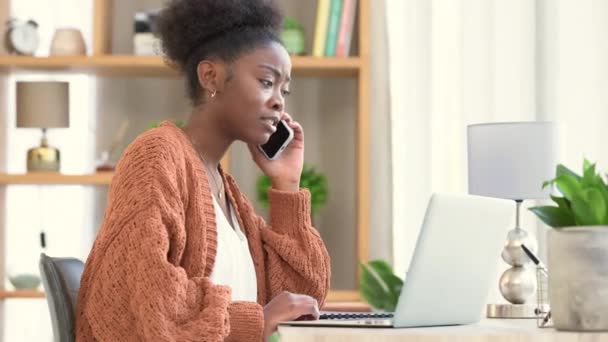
(578, 249)
(314, 181)
(292, 36)
(178, 123)
(379, 286)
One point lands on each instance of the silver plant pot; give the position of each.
(578, 278)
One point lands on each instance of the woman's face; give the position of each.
(253, 98)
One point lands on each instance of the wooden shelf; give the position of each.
(151, 66)
(22, 294)
(52, 178)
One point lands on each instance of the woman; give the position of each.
(181, 256)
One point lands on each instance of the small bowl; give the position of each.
(25, 281)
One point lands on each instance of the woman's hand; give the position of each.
(284, 172)
(287, 307)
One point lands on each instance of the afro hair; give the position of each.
(195, 30)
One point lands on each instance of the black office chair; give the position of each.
(61, 281)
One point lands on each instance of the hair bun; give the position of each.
(185, 24)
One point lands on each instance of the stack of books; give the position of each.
(334, 28)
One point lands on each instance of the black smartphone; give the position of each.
(277, 141)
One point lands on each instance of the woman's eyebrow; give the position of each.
(274, 70)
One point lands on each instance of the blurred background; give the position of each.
(385, 110)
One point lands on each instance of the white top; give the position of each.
(233, 263)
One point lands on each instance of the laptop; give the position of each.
(453, 267)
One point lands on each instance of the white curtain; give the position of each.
(573, 67)
(457, 62)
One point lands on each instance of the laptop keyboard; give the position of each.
(355, 315)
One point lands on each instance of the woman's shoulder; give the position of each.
(164, 141)
(163, 150)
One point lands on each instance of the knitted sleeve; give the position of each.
(297, 260)
(149, 223)
(169, 306)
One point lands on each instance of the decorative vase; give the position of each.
(104, 164)
(293, 40)
(25, 281)
(578, 278)
(68, 42)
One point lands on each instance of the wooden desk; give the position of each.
(485, 331)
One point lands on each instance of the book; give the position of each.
(335, 12)
(318, 48)
(347, 24)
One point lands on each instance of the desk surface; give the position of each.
(485, 331)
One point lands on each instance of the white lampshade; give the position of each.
(511, 160)
(43, 104)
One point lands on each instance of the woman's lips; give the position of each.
(270, 125)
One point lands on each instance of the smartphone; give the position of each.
(277, 141)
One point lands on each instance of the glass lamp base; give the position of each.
(511, 311)
(43, 159)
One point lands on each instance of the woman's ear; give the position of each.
(207, 76)
(211, 76)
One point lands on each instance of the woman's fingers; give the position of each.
(304, 305)
(285, 116)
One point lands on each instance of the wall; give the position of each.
(572, 79)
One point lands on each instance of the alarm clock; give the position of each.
(22, 37)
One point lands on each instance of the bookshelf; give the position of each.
(21, 294)
(111, 62)
(52, 178)
(150, 66)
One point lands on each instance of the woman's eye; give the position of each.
(266, 83)
(286, 92)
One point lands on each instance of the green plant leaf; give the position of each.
(568, 186)
(561, 202)
(598, 204)
(590, 178)
(585, 200)
(392, 282)
(586, 164)
(262, 185)
(310, 179)
(585, 206)
(274, 337)
(563, 170)
(603, 189)
(555, 217)
(373, 290)
(155, 124)
(379, 286)
(290, 23)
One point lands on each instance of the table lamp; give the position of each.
(511, 161)
(43, 105)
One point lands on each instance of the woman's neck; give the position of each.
(208, 137)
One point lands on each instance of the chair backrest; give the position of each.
(61, 281)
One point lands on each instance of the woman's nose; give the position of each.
(278, 103)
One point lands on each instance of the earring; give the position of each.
(213, 94)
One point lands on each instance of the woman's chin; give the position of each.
(262, 138)
(258, 139)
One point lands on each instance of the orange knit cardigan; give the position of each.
(147, 276)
